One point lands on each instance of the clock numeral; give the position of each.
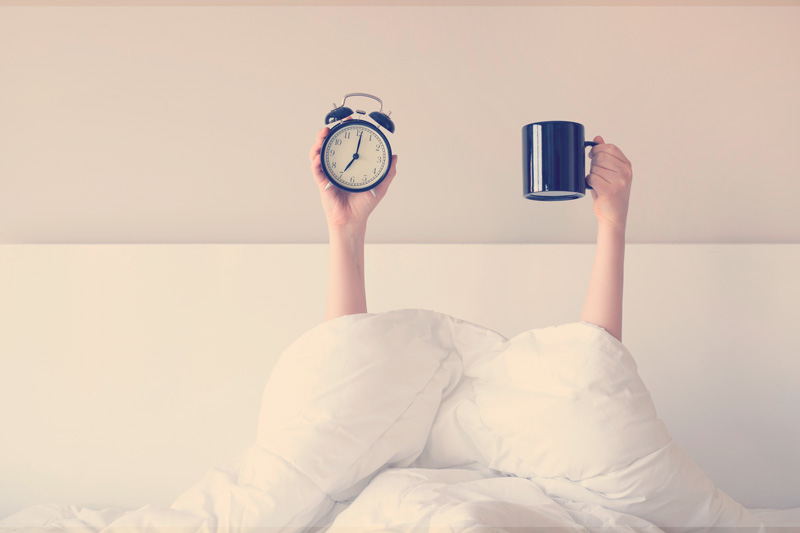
(352, 180)
(374, 170)
(333, 152)
(333, 164)
(347, 135)
(377, 147)
(338, 142)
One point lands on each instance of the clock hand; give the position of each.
(355, 155)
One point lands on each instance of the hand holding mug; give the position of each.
(610, 180)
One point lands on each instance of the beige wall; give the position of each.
(193, 124)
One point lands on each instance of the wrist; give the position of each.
(347, 229)
(350, 236)
(609, 226)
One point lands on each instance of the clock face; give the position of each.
(356, 156)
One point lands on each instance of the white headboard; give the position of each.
(127, 371)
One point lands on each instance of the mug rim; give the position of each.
(554, 122)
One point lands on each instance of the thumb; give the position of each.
(384, 186)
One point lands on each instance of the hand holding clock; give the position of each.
(343, 208)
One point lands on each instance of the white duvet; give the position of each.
(416, 420)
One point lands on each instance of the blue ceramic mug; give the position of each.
(554, 161)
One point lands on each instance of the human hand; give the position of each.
(610, 177)
(344, 208)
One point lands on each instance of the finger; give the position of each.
(597, 140)
(599, 178)
(392, 171)
(608, 162)
(609, 149)
(384, 186)
(623, 171)
(598, 184)
(316, 171)
(321, 134)
(317, 146)
(607, 181)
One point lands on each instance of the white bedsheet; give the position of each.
(412, 419)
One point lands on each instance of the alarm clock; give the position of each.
(356, 155)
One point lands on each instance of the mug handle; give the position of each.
(585, 144)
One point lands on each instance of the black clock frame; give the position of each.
(355, 122)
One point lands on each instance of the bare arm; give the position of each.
(603, 305)
(346, 288)
(347, 213)
(610, 177)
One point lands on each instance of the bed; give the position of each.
(133, 384)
